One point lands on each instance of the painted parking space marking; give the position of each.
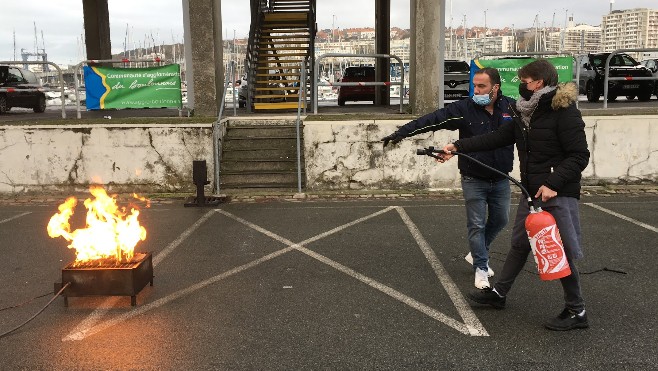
(471, 325)
(89, 327)
(624, 217)
(471, 321)
(15, 217)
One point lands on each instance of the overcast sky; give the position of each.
(62, 24)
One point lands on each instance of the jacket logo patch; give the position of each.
(506, 116)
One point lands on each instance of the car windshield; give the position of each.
(456, 66)
(618, 60)
(361, 72)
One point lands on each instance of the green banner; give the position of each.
(508, 71)
(153, 87)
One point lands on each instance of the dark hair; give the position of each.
(493, 74)
(541, 69)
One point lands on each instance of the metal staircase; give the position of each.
(281, 38)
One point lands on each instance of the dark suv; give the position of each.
(20, 88)
(356, 93)
(592, 75)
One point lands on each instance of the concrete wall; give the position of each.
(349, 155)
(148, 158)
(338, 155)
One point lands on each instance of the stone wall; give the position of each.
(147, 158)
(349, 154)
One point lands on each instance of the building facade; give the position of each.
(580, 39)
(630, 29)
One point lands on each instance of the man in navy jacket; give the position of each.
(487, 194)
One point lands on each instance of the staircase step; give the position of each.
(269, 153)
(275, 106)
(278, 88)
(275, 81)
(271, 61)
(257, 143)
(265, 49)
(281, 55)
(283, 42)
(258, 165)
(286, 37)
(286, 16)
(259, 131)
(271, 96)
(279, 74)
(270, 30)
(260, 179)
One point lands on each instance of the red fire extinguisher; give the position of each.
(546, 245)
(543, 233)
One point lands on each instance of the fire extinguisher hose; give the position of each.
(431, 151)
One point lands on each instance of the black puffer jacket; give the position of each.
(552, 151)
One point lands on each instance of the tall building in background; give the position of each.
(630, 29)
(580, 39)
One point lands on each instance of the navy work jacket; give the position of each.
(471, 120)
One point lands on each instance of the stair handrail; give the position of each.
(301, 95)
(251, 60)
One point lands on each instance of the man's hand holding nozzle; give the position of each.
(447, 153)
(394, 138)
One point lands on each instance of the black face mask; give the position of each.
(524, 91)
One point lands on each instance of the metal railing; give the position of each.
(301, 98)
(607, 77)
(316, 84)
(59, 72)
(98, 61)
(218, 129)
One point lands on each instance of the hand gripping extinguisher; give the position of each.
(540, 225)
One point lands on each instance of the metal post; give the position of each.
(299, 146)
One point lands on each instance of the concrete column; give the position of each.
(426, 59)
(202, 21)
(382, 46)
(97, 29)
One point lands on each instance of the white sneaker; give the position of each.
(481, 279)
(469, 259)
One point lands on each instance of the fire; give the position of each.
(111, 232)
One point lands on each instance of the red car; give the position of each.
(357, 93)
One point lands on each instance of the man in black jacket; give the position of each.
(549, 133)
(484, 190)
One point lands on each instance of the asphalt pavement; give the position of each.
(289, 284)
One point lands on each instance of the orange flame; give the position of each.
(110, 231)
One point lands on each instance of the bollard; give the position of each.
(200, 179)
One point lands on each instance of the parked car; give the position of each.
(456, 78)
(357, 93)
(20, 88)
(592, 76)
(652, 65)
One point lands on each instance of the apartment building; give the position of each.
(580, 39)
(630, 29)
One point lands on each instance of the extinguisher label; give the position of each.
(548, 250)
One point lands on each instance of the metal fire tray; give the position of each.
(114, 279)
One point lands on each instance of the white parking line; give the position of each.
(471, 327)
(110, 302)
(474, 326)
(15, 217)
(624, 217)
(88, 327)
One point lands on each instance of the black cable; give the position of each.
(37, 313)
(25, 302)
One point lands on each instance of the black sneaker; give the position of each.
(567, 320)
(487, 296)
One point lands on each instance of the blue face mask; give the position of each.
(483, 99)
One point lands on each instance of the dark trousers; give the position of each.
(565, 212)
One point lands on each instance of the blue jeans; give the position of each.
(487, 213)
